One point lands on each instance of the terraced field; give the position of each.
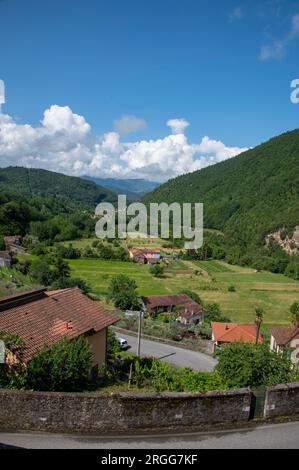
(210, 279)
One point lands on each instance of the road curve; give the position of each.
(270, 436)
(174, 355)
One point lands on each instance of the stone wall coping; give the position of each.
(129, 395)
(293, 385)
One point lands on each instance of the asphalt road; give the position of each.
(278, 436)
(177, 356)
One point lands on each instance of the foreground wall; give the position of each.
(133, 412)
(282, 400)
(74, 412)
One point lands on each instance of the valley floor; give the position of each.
(210, 279)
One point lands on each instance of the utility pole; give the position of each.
(139, 333)
(258, 322)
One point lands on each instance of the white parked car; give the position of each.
(123, 343)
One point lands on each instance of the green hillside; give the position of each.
(246, 197)
(49, 206)
(35, 182)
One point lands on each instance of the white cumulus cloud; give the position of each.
(128, 124)
(178, 126)
(64, 142)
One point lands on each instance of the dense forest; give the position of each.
(245, 198)
(49, 206)
(70, 190)
(46, 219)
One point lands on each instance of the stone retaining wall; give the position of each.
(282, 400)
(97, 412)
(133, 412)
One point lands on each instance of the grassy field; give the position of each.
(210, 279)
(12, 282)
(136, 243)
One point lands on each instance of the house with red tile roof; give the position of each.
(43, 318)
(13, 244)
(286, 337)
(187, 310)
(225, 333)
(145, 255)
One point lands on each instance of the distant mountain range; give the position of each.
(132, 188)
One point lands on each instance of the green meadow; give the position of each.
(210, 279)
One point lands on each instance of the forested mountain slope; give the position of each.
(36, 182)
(246, 197)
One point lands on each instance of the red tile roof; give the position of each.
(284, 335)
(234, 332)
(12, 239)
(41, 317)
(182, 301)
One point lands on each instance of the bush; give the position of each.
(148, 372)
(214, 313)
(231, 289)
(113, 346)
(64, 367)
(204, 331)
(69, 282)
(68, 252)
(122, 291)
(192, 295)
(249, 365)
(157, 270)
(13, 375)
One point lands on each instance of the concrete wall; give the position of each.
(99, 413)
(282, 400)
(98, 346)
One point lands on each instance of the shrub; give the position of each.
(122, 291)
(214, 313)
(113, 346)
(192, 295)
(250, 365)
(204, 331)
(157, 270)
(163, 377)
(68, 252)
(13, 374)
(64, 367)
(68, 282)
(231, 289)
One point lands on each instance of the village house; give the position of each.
(13, 244)
(145, 255)
(43, 318)
(225, 333)
(188, 312)
(5, 259)
(286, 337)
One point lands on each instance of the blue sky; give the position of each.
(225, 67)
